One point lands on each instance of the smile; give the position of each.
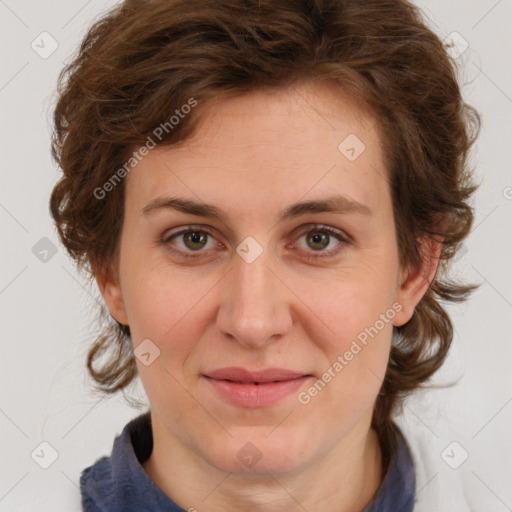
(254, 389)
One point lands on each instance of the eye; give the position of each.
(198, 239)
(318, 238)
(192, 239)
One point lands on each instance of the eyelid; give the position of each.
(306, 228)
(185, 229)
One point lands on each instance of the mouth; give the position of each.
(261, 388)
(253, 383)
(265, 376)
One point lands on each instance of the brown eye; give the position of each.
(195, 240)
(318, 240)
(186, 242)
(322, 240)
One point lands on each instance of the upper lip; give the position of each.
(236, 374)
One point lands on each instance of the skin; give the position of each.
(253, 156)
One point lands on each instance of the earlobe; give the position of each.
(111, 291)
(416, 281)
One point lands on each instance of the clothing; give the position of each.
(119, 483)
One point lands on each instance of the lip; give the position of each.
(260, 388)
(237, 374)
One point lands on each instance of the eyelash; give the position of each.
(313, 228)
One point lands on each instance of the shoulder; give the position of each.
(445, 480)
(119, 483)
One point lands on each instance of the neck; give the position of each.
(344, 480)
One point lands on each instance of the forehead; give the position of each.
(268, 148)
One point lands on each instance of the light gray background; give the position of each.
(47, 313)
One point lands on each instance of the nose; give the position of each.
(255, 306)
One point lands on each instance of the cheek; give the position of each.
(160, 298)
(165, 307)
(356, 359)
(354, 333)
(348, 303)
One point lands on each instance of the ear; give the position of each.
(109, 285)
(416, 281)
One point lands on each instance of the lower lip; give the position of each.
(256, 395)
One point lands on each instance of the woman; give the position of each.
(268, 195)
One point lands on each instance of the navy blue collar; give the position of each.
(119, 483)
(398, 489)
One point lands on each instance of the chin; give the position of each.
(259, 454)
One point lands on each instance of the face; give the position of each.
(264, 284)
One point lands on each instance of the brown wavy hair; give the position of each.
(144, 59)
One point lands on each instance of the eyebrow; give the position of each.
(332, 204)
